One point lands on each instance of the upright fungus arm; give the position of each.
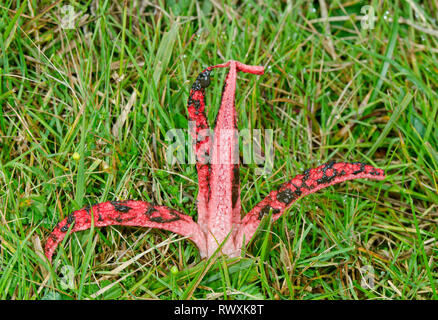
(202, 141)
(223, 215)
(200, 134)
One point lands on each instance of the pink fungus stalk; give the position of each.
(218, 201)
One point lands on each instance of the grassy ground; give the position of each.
(333, 90)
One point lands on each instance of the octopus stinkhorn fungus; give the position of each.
(218, 201)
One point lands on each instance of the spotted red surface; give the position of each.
(218, 199)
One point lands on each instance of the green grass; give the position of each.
(341, 93)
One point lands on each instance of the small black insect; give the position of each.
(204, 78)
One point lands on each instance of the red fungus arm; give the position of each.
(208, 213)
(126, 213)
(302, 185)
(200, 134)
(223, 215)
